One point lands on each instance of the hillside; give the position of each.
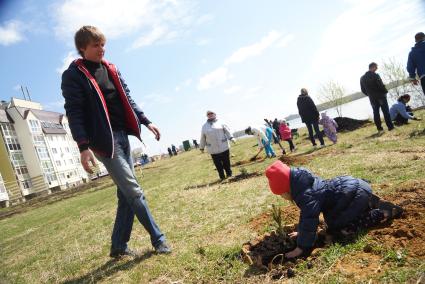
(207, 222)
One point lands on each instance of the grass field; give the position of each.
(206, 223)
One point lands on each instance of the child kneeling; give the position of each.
(347, 204)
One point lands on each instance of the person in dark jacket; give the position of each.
(101, 115)
(174, 149)
(416, 61)
(276, 126)
(372, 86)
(347, 204)
(170, 153)
(310, 116)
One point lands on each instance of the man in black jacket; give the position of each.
(372, 86)
(310, 116)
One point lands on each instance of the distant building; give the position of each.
(43, 156)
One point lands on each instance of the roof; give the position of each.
(4, 117)
(51, 122)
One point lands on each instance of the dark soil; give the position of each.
(346, 124)
(249, 161)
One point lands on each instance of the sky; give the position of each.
(246, 60)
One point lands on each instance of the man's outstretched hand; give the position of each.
(86, 158)
(155, 131)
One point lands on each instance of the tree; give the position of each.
(333, 94)
(398, 84)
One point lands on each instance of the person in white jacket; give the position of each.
(215, 136)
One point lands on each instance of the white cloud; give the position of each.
(71, 56)
(157, 99)
(184, 84)
(255, 49)
(214, 78)
(232, 89)
(366, 31)
(221, 75)
(150, 21)
(153, 36)
(203, 41)
(11, 33)
(285, 40)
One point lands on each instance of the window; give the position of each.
(8, 129)
(38, 140)
(17, 159)
(58, 163)
(62, 175)
(35, 126)
(71, 161)
(42, 153)
(21, 170)
(25, 184)
(13, 144)
(54, 151)
(51, 138)
(67, 149)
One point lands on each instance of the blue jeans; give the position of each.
(131, 200)
(267, 144)
(381, 104)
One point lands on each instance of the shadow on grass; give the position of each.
(108, 269)
(229, 180)
(376, 135)
(417, 133)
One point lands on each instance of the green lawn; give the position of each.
(68, 241)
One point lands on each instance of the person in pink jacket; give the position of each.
(285, 134)
(329, 126)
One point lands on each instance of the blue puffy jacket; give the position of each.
(87, 111)
(341, 200)
(416, 60)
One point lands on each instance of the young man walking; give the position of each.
(416, 61)
(101, 115)
(372, 86)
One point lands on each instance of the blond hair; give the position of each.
(86, 34)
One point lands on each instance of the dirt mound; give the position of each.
(268, 248)
(349, 124)
(407, 232)
(249, 161)
(293, 160)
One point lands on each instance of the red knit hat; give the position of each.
(279, 177)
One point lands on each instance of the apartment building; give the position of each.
(13, 169)
(39, 144)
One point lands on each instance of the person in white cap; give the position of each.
(215, 136)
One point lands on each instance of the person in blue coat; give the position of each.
(347, 204)
(400, 112)
(416, 61)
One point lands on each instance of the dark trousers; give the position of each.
(291, 144)
(222, 163)
(382, 104)
(310, 127)
(276, 136)
(423, 84)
